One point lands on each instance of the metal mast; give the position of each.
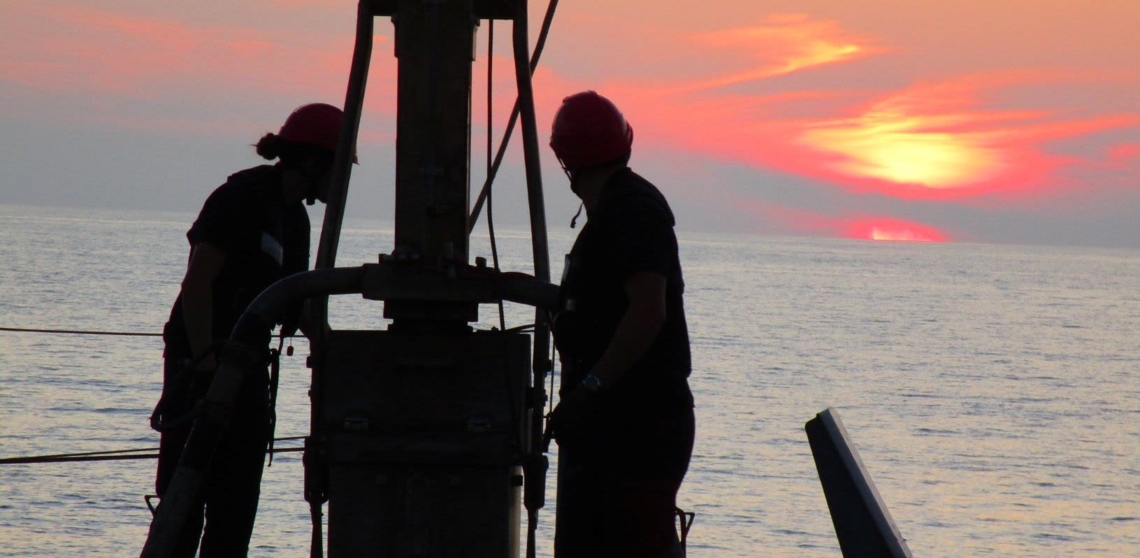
(423, 435)
(420, 433)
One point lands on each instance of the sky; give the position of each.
(988, 121)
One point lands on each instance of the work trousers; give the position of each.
(617, 493)
(224, 513)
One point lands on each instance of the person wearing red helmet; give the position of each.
(252, 231)
(625, 423)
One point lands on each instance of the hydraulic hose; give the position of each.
(245, 354)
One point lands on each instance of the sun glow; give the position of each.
(894, 230)
(891, 143)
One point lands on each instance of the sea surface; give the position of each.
(993, 392)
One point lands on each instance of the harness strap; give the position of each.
(159, 421)
(274, 380)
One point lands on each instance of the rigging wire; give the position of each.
(546, 23)
(490, 142)
(81, 332)
(93, 332)
(117, 455)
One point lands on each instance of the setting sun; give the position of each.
(896, 230)
(899, 142)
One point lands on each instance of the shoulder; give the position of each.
(231, 211)
(242, 190)
(251, 183)
(630, 197)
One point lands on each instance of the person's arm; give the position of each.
(296, 260)
(638, 328)
(636, 331)
(206, 261)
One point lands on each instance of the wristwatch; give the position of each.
(592, 383)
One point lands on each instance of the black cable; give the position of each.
(490, 131)
(553, 371)
(81, 332)
(114, 455)
(88, 332)
(546, 23)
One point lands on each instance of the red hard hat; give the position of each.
(589, 130)
(316, 124)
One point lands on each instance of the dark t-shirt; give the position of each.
(263, 239)
(630, 231)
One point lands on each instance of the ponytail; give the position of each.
(270, 146)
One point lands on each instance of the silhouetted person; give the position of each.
(252, 231)
(625, 423)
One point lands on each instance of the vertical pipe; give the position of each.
(541, 268)
(534, 196)
(317, 322)
(342, 164)
(436, 42)
(530, 145)
(494, 167)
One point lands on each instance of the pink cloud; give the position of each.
(1124, 152)
(135, 56)
(939, 141)
(946, 140)
(783, 44)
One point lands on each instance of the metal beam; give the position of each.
(862, 522)
(484, 9)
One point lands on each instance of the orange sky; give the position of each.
(958, 120)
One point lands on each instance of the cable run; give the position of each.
(90, 332)
(117, 455)
(81, 332)
(490, 133)
(546, 22)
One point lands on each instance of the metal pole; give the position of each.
(535, 470)
(342, 164)
(494, 168)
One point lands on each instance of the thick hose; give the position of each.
(242, 356)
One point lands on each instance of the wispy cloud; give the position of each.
(128, 55)
(782, 44)
(1124, 153)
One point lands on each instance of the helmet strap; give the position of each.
(574, 221)
(573, 176)
(313, 178)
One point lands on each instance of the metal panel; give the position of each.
(423, 512)
(862, 522)
(422, 436)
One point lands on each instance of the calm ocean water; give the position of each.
(993, 391)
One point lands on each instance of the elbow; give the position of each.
(191, 285)
(651, 318)
(195, 288)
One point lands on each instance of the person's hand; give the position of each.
(574, 420)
